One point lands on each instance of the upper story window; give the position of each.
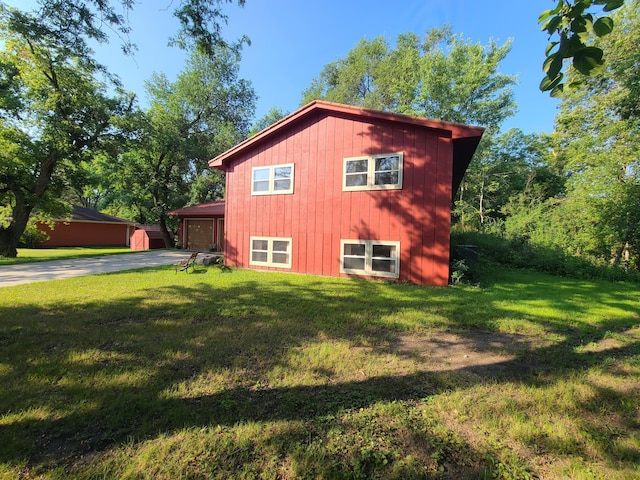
(272, 180)
(375, 172)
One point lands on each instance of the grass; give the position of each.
(29, 255)
(149, 374)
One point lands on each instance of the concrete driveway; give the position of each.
(76, 267)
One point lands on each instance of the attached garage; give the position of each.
(198, 233)
(201, 227)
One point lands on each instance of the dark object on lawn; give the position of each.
(469, 253)
(183, 265)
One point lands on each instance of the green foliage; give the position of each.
(269, 118)
(32, 236)
(570, 198)
(188, 122)
(509, 167)
(574, 24)
(72, 26)
(207, 187)
(63, 114)
(443, 76)
(57, 116)
(459, 268)
(522, 252)
(598, 139)
(201, 27)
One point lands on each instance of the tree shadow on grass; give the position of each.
(80, 379)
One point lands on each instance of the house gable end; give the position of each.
(394, 223)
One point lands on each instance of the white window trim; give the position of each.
(371, 165)
(272, 190)
(368, 256)
(270, 262)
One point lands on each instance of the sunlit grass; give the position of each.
(152, 374)
(28, 255)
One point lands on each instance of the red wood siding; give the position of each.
(85, 234)
(319, 214)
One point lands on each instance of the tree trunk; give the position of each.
(616, 253)
(168, 241)
(10, 236)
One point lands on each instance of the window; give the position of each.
(370, 257)
(377, 172)
(272, 180)
(270, 252)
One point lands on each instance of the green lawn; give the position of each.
(28, 255)
(241, 374)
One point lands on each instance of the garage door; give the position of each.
(199, 234)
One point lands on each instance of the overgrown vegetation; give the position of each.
(521, 252)
(242, 374)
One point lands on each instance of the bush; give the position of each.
(32, 237)
(518, 252)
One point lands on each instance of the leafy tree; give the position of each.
(599, 137)
(510, 173)
(203, 113)
(53, 113)
(208, 186)
(442, 76)
(269, 118)
(574, 24)
(597, 144)
(71, 25)
(353, 80)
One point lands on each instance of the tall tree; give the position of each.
(53, 112)
(268, 119)
(512, 171)
(598, 144)
(204, 112)
(442, 76)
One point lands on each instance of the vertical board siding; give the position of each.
(442, 213)
(319, 214)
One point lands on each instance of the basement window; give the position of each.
(370, 257)
(270, 252)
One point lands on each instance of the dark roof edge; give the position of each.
(89, 215)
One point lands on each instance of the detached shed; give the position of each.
(201, 227)
(86, 228)
(147, 237)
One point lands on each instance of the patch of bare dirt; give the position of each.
(445, 351)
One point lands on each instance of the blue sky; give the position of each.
(292, 40)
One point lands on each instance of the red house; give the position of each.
(344, 191)
(87, 227)
(201, 227)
